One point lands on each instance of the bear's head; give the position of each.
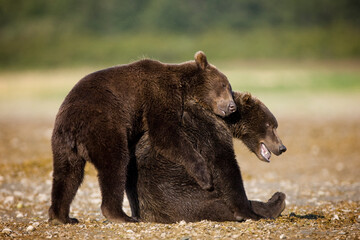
(256, 126)
(214, 90)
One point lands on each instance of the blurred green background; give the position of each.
(65, 33)
(299, 57)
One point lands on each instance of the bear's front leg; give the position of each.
(172, 143)
(194, 164)
(200, 171)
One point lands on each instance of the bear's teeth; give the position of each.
(265, 152)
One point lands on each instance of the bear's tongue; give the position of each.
(265, 152)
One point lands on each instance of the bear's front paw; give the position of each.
(203, 178)
(205, 182)
(207, 186)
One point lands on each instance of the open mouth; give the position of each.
(265, 153)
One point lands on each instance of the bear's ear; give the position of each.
(201, 60)
(237, 97)
(246, 96)
(236, 94)
(245, 99)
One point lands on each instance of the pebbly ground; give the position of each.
(319, 174)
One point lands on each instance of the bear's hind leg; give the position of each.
(67, 177)
(272, 208)
(112, 179)
(131, 188)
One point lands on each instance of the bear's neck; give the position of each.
(235, 124)
(196, 105)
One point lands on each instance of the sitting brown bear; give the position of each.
(166, 192)
(106, 113)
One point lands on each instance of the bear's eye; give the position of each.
(267, 124)
(223, 85)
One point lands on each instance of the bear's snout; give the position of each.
(232, 107)
(282, 149)
(225, 108)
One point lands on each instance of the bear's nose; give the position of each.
(282, 149)
(232, 107)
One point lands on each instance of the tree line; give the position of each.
(117, 16)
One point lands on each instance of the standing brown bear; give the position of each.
(107, 112)
(167, 194)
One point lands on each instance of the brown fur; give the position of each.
(258, 126)
(107, 112)
(166, 193)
